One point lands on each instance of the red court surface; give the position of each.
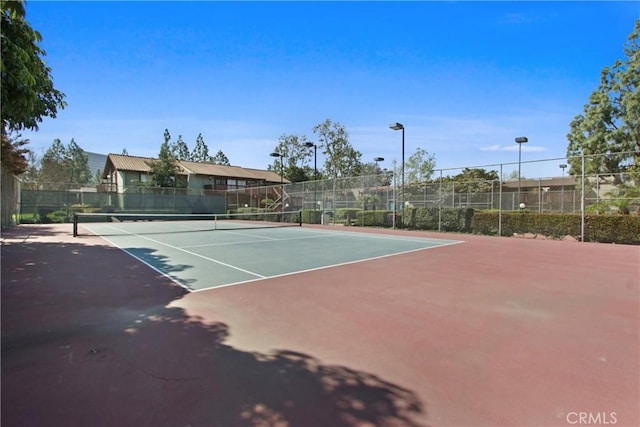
(491, 332)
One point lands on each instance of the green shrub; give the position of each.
(612, 229)
(57, 217)
(375, 218)
(312, 216)
(346, 214)
(598, 228)
(444, 219)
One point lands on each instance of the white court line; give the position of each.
(271, 239)
(259, 277)
(349, 233)
(173, 279)
(247, 234)
(326, 266)
(328, 233)
(188, 252)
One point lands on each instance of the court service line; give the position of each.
(256, 241)
(248, 234)
(450, 243)
(349, 233)
(260, 276)
(327, 234)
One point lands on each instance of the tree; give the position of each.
(78, 162)
(200, 152)
(179, 149)
(26, 93)
(220, 159)
(52, 164)
(419, 167)
(513, 176)
(27, 89)
(375, 176)
(610, 124)
(341, 159)
(14, 154)
(31, 176)
(475, 180)
(97, 177)
(164, 169)
(63, 165)
(296, 154)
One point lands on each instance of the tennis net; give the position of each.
(105, 224)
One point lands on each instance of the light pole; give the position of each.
(315, 158)
(315, 172)
(400, 126)
(520, 140)
(280, 156)
(563, 167)
(378, 160)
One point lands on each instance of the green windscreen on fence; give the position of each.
(105, 224)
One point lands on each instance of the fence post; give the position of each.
(440, 204)
(500, 203)
(539, 195)
(582, 206)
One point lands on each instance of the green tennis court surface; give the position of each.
(201, 260)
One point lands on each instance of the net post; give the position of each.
(75, 225)
(300, 218)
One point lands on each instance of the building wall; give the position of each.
(197, 182)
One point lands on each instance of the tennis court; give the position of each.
(209, 253)
(330, 326)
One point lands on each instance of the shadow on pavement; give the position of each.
(88, 338)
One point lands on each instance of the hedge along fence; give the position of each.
(443, 219)
(446, 219)
(311, 216)
(612, 229)
(598, 228)
(347, 216)
(376, 218)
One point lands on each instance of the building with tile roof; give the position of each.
(122, 171)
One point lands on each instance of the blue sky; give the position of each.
(465, 78)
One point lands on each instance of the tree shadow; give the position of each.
(89, 338)
(21, 233)
(162, 263)
(217, 384)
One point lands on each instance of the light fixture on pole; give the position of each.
(280, 156)
(520, 140)
(400, 126)
(315, 158)
(563, 167)
(378, 160)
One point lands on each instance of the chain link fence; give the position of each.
(511, 188)
(10, 197)
(57, 202)
(602, 193)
